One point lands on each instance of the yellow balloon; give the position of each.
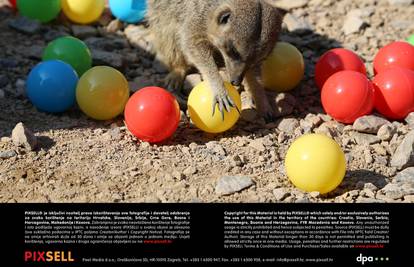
(200, 109)
(102, 93)
(284, 69)
(83, 11)
(315, 162)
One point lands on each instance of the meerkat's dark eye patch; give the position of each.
(232, 51)
(224, 17)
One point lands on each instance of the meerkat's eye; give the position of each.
(224, 17)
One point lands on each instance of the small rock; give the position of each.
(315, 194)
(368, 157)
(379, 149)
(365, 139)
(216, 149)
(400, 2)
(236, 161)
(289, 4)
(352, 24)
(404, 155)
(392, 191)
(228, 185)
(386, 132)
(310, 122)
(107, 58)
(405, 177)
(288, 125)
(23, 137)
(25, 25)
(370, 186)
(258, 145)
(178, 175)
(369, 124)
(302, 200)
(84, 31)
(409, 119)
(190, 171)
(280, 193)
(7, 154)
(2, 94)
(324, 129)
(294, 23)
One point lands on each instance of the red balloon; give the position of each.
(336, 60)
(152, 114)
(394, 92)
(348, 95)
(396, 54)
(13, 3)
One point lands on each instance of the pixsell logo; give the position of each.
(48, 256)
(363, 259)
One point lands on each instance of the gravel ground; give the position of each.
(71, 158)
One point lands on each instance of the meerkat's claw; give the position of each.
(225, 103)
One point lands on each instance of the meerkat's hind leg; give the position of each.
(174, 83)
(257, 91)
(175, 80)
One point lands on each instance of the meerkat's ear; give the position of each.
(274, 4)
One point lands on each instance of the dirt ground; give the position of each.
(82, 160)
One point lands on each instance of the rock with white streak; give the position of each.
(404, 155)
(228, 185)
(369, 124)
(23, 137)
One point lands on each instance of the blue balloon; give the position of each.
(131, 11)
(51, 86)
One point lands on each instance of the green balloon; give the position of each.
(70, 50)
(411, 39)
(43, 10)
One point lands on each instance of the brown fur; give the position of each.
(189, 33)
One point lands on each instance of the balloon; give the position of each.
(200, 109)
(411, 39)
(70, 50)
(13, 3)
(336, 60)
(348, 95)
(283, 70)
(131, 11)
(152, 114)
(315, 162)
(394, 92)
(43, 11)
(51, 86)
(83, 11)
(396, 54)
(102, 93)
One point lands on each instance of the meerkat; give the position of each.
(203, 33)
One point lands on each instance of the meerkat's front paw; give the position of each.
(174, 82)
(224, 102)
